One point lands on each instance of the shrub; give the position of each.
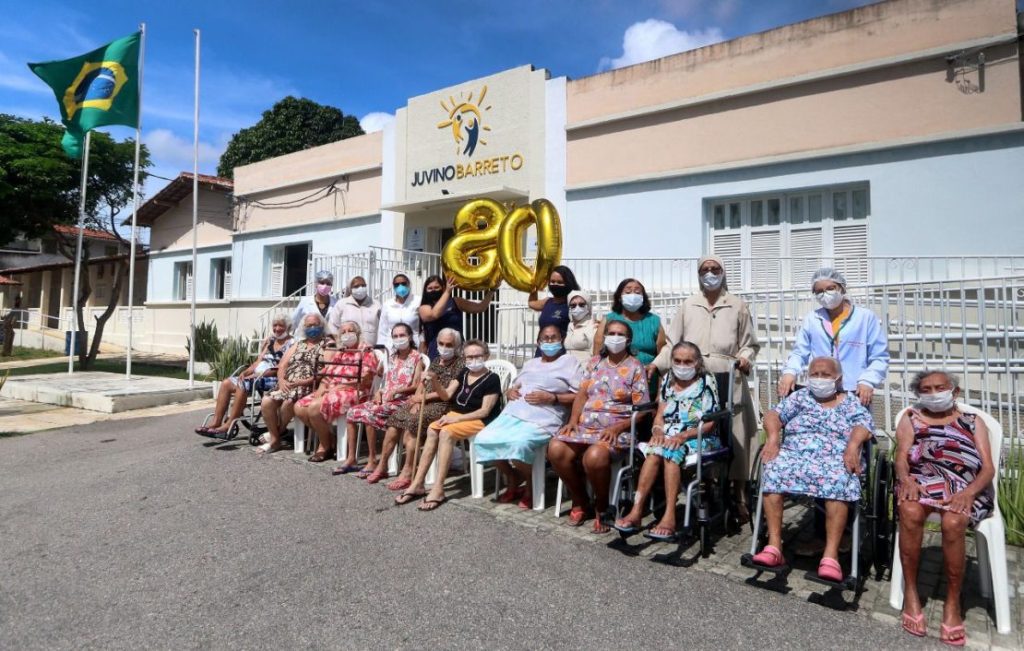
(234, 352)
(208, 343)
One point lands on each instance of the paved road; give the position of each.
(132, 534)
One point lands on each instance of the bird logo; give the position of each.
(465, 118)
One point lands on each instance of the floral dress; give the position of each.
(611, 390)
(300, 367)
(404, 419)
(345, 374)
(683, 411)
(400, 374)
(944, 460)
(810, 460)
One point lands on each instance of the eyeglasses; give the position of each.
(710, 270)
(399, 284)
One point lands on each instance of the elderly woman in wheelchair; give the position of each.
(686, 394)
(820, 456)
(943, 465)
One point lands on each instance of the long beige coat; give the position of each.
(723, 332)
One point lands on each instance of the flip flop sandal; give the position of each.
(576, 516)
(661, 537)
(374, 477)
(914, 625)
(626, 529)
(510, 495)
(600, 528)
(830, 570)
(400, 484)
(318, 457)
(405, 498)
(770, 556)
(946, 631)
(344, 470)
(365, 472)
(430, 505)
(526, 501)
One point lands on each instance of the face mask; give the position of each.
(684, 373)
(430, 298)
(615, 343)
(282, 336)
(939, 401)
(314, 332)
(401, 291)
(323, 289)
(559, 291)
(446, 352)
(347, 339)
(401, 343)
(711, 281)
(476, 365)
(579, 313)
(550, 348)
(632, 302)
(831, 299)
(359, 293)
(822, 387)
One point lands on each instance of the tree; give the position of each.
(39, 188)
(292, 124)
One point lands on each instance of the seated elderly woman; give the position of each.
(943, 465)
(686, 394)
(295, 377)
(345, 377)
(473, 405)
(598, 428)
(820, 456)
(538, 404)
(400, 382)
(444, 372)
(261, 375)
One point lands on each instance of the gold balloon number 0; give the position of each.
(494, 237)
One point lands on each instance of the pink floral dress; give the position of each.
(400, 374)
(345, 372)
(612, 390)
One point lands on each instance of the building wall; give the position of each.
(356, 195)
(173, 229)
(162, 276)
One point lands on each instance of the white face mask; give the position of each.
(446, 352)
(359, 293)
(711, 280)
(347, 339)
(579, 313)
(281, 337)
(938, 401)
(822, 387)
(632, 302)
(615, 343)
(684, 373)
(476, 365)
(831, 299)
(401, 343)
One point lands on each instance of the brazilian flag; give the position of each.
(95, 89)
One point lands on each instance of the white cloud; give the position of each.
(375, 121)
(652, 39)
(17, 76)
(170, 151)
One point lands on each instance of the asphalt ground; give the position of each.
(133, 534)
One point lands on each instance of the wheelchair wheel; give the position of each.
(882, 512)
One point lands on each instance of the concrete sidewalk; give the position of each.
(24, 417)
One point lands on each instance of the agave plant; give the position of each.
(1011, 491)
(234, 352)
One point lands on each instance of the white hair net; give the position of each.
(324, 276)
(828, 273)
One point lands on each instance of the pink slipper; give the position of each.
(830, 570)
(946, 631)
(770, 556)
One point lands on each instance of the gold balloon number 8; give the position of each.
(494, 238)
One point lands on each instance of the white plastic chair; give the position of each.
(537, 480)
(990, 538)
(341, 425)
(616, 467)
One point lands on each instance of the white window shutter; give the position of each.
(728, 246)
(850, 250)
(227, 285)
(277, 271)
(188, 286)
(806, 255)
(765, 251)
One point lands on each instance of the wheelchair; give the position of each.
(251, 418)
(707, 502)
(870, 524)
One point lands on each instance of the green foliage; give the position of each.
(291, 125)
(208, 342)
(39, 184)
(1011, 491)
(234, 352)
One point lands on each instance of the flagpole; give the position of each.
(135, 210)
(195, 220)
(78, 250)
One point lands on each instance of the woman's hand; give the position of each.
(673, 442)
(961, 502)
(851, 458)
(770, 450)
(657, 437)
(284, 386)
(513, 394)
(567, 430)
(651, 369)
(541, 398)
(449, 419)
(451, 284)
(786, 384)
(909, 491)
(608, 436)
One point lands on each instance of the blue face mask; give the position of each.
(402, 291)
(314, 333)
(550, 349)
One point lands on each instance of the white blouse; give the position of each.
(392, 312)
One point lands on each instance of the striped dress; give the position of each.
(944, 460)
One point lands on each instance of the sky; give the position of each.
(366, 58)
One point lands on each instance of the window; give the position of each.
(288, 269)
(780, 240)
(220, 278)
(182, 281)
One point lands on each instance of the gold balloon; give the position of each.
(485, 231)
(542, 214)
(476, 231)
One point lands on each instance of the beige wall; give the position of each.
(173, 229)
(358, 195)
(900, 101)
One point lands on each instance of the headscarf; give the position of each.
(577, 293)
(714, 258)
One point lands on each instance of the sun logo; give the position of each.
(466, 121)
